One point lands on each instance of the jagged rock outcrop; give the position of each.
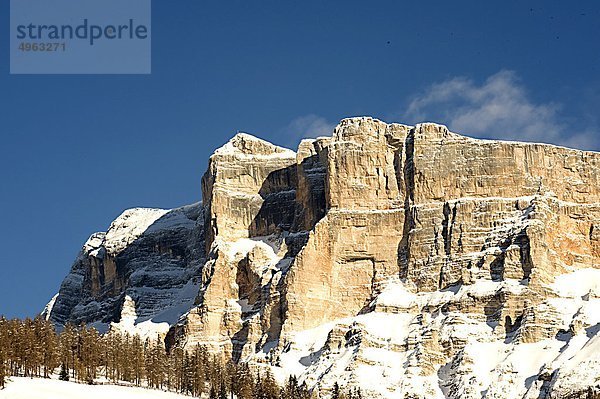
(145, 267)
(409, 261)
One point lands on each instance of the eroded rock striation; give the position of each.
(409, 261)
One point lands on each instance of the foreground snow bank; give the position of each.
(28, 388)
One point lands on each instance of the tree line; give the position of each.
(32, 348)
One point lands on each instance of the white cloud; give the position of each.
(498, 108)
(307, 126)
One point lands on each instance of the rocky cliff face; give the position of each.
(139, 276)
(409, 261)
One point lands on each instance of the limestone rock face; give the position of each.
(249, 189)
(147, 265)
(408, 261)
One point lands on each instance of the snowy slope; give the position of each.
(29, 388)
(392, 352)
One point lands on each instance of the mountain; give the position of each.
(143, 272)
(408, 260)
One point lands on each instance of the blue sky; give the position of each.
(75, 151)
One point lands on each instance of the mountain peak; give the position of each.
(247, 144)
(408, 261)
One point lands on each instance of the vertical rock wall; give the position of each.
(408, 254)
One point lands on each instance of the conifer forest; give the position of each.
(32, 348)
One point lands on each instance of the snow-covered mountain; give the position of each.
(409, 261)
(139, 276)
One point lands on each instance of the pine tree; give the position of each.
(292, 390)
(270, 389)
(64, 373)
(244, 385)
(2, 369)
(3, 350)
(258, 387)
(222, 390)
(155, 364)
(50, 350)
(199, 371)
(68, 347)
(336, 391)
(137, 359)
